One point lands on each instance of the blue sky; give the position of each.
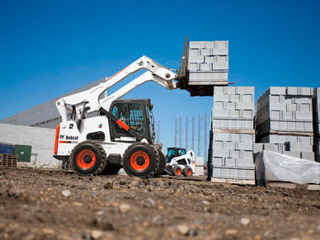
(48, 48)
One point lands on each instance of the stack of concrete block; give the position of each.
(287, 109)
(284, 121)
(233, 134)
(316, 114)
(292, 148)
(199, 166)
(208, 62)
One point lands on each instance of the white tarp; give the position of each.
(272, 166)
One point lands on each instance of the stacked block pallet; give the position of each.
(233, 135)
(316, 114)
(208, 62)
(8, 160)
(284, 121)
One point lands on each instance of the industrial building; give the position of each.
(44, 115)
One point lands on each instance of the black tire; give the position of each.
(111, 170)
(88, 158)
(187, 171)
(176, 171)
(68, 165)
(141, 160)
(162, 164)
(63, 165)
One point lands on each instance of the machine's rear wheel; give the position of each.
(162, 164)
(177, 171)
(187, 171)
(88, 158)
(141, 160)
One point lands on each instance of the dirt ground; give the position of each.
(43, 204)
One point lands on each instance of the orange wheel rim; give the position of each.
(178, 171)
(86, 159)
(189, 172)
(139, 161)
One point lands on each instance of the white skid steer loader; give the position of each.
(122, 132)
(180, 162)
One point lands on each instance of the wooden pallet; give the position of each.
(314, 187)
(8, 160)
(305, 134)
(233, 181)
(234, 131)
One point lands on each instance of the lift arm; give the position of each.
(91, 98)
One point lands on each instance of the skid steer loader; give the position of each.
(121, 134)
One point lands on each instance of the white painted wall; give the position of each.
(41, 140)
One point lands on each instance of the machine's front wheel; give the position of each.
(141, 160)
(187, 171)
(88, 158)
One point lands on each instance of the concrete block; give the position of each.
(257, 147)
(235, 153)
(196, 59)
(247, 114)
(248, 138)
(305, 91)
(292, 154)
(206, 52)
(233, 173)
(245, 105)
(221, 152)
(218, 161)
(235, 114)
(303, 107)
(245, 162)
(236, 98)
(269, 147)
(292, 91)
(243, 146)
(205, 66)
(232, 124)
(298, 147)
(220, 113)
(197, 44)
(229, 105)
(277, 106)
(246, 154)
(221, 136)
(218, 91)
(230, 162)
(277, 90)
(308, 156)
(207, 76)
(245, 90)
(193, 53)
(247, 98)
(193, 67)
(281, 139)
(303, 116)
(291, 107)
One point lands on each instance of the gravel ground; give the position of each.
(43, 204)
